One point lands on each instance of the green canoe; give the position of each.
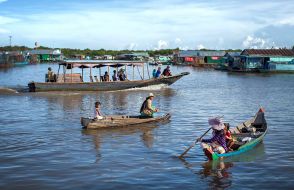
(247, 135)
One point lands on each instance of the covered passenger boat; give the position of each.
(116, 121)
(246, 136)
(75, 81)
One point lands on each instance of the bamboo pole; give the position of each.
(126, 71)
(133, 72)
(148, 70)
(71, 74)
(100, 74)
(143, 71)
(64, 72)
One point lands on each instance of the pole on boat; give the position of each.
(83, 73)
(148, 70)
(100, 74)
(193, 144)
(126, 71)
(133, 72)
(91, 74)
(58, 72)
(64, 71)
(143, 70)
(71, 74)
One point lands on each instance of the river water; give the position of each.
(42, 145)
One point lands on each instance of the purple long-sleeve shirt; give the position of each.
(219, 138)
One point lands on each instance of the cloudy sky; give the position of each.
(148, 24)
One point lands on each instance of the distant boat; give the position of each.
(74, 81)
(245, 139)
(117, 121)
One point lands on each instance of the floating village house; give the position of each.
(201, 58)
(134, 56)
(11, 57)
(163, 58)
(276, 60)
(44, 55)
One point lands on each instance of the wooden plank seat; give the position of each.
(75, 77)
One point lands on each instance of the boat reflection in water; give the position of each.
(102, 136)
(219, 173)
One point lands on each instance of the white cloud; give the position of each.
(132, 46)
(161, 44)
(258, 42)
(200, 46)
(1, 1)
(110, 25)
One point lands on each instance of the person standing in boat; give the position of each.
(218, 142)
(97, 112)
(147, 109)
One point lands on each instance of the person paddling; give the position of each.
(147, 109)
(218, 142)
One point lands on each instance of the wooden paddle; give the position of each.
(192, 145)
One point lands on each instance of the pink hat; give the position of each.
(216, 123)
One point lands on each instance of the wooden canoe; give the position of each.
(242, 131)
(116, 121)
(101, 86)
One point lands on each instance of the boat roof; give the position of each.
(100, 63)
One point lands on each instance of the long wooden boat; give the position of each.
(258, 127)
(74, 81)
(116, 121)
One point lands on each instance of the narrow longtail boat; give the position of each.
(116, 121)
(75, 81)
(246, 135)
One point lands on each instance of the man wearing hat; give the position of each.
(218, 141)
(147, 109)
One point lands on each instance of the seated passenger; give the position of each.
(147, 109)
(218, 142)
(114, 76)
(122, 75)
(97, 112)
(154, 73)
(229, 138)
(106, 76)
(51, 75)
(166, 72)
(158, 72)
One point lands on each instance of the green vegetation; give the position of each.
(88, 52)
(68, 52)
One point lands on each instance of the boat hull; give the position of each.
(120, 121)
(237, 131)
(101, 86)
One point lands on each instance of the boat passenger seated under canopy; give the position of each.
(92, 65)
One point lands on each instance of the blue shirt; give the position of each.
(158, 74)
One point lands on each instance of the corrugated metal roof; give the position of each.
(200, 53)
(268, 52)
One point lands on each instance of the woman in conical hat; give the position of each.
(147, 109)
